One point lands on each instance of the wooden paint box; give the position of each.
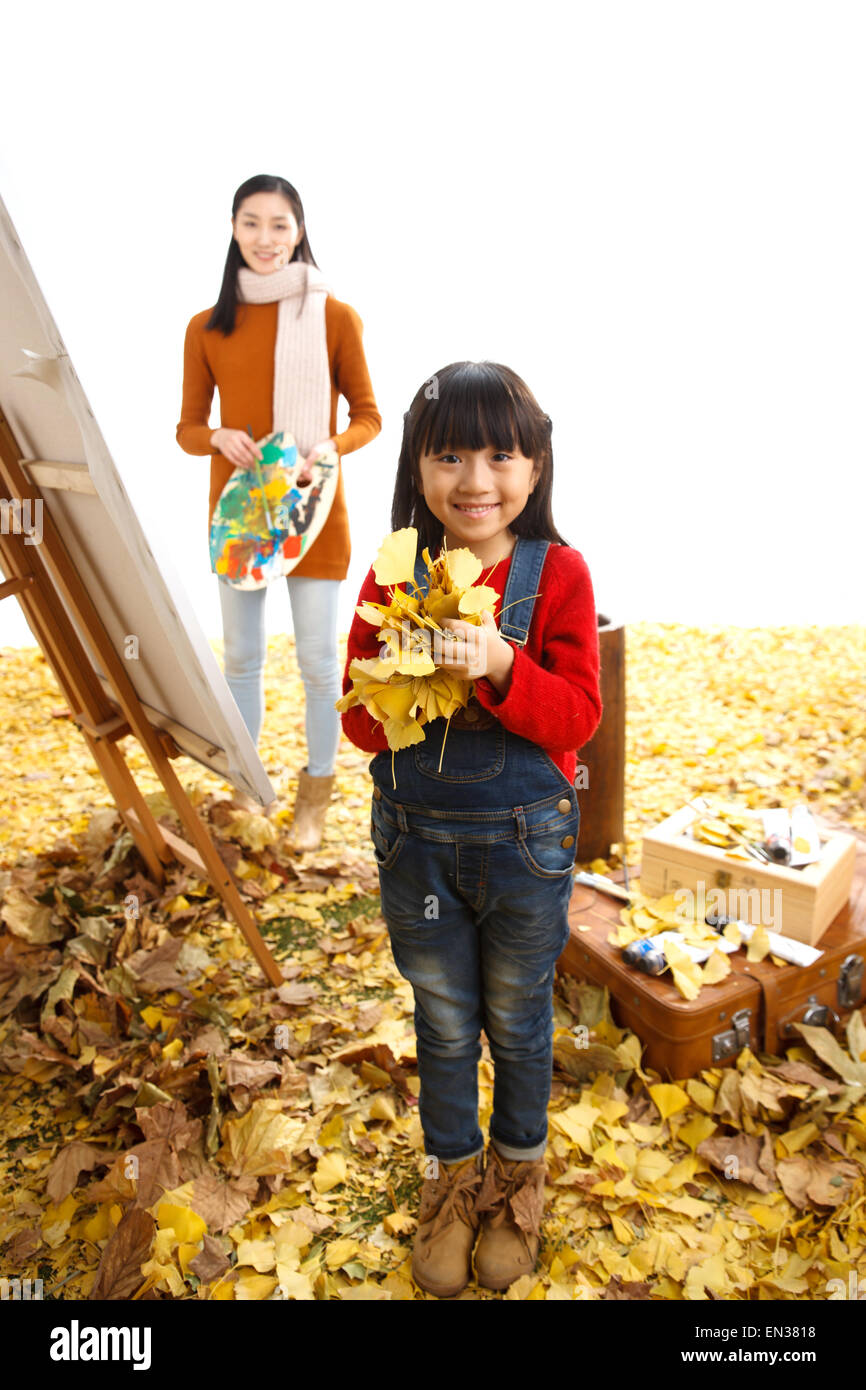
(800, 903)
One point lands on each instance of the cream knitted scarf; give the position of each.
(302, 375)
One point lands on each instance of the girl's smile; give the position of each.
(476, 494)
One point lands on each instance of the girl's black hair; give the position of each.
(473, 405)
(225, 309)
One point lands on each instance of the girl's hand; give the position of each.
(480, 651)
(236, 446)
(306, 473)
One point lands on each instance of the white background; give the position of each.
(654, 212)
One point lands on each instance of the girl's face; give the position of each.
(476, 494)
(263, 226)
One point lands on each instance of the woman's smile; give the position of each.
(266, 215)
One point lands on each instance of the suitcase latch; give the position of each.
(850, 982)
(733, 1039)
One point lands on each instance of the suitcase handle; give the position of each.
(814, 1014)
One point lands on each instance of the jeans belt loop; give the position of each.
(521, 822)
(401, 817)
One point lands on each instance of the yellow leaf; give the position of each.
(716, 968)
(330, 1172)
(473, 600)
(622, 1230)
(254, 831)
(797, 1139)
(382, 1108)
(261, 1141)
(296, 1285)
(759, 945)
(651, 1165)
(258, 1253)
(668, 1099)
(395, 562)
(698, 1128)
(702, 1095)
(251, 1288)
(399, 1223)
(185, 1253)
(330, 1133)
(99, 1226)
(686, 972)
(463, 568)
(400, 735)
(165, 1277)
(186, 1223)
(339, 1252)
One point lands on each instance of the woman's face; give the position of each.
(263, 227)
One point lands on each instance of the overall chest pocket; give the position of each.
(470, 755)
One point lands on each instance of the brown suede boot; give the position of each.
(447, 1226)
(311, 805)
(510, 1205)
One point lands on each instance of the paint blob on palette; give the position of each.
(264, 523)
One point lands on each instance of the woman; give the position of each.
(280, 349)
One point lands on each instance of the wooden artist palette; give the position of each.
(263, 522)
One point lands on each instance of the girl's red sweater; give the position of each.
(553, 697)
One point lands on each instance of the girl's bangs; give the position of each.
(466, 417)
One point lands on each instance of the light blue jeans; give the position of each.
(314, 619)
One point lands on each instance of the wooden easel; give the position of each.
(36, 574)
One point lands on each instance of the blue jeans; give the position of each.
(475, 871)
(314, 618)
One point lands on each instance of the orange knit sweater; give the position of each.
(241, 368)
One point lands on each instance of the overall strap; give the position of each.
(524, 578)
(421, 572)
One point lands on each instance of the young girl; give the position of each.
(476, 858)
(280, 349)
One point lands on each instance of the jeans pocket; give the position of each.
(551, 852)
(388, 839)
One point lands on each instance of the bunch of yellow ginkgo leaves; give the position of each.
(405, 689)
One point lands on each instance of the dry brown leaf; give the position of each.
(119, 1273)
(74, 1159)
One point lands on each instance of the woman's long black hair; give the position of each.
(473, 405)
(225, 309)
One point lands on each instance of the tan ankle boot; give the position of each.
(311, 805)
(447, 1226)
(509, 1205)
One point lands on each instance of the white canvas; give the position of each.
(128, 575)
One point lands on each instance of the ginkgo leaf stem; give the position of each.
(442, 749)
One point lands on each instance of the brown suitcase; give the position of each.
(755, 1006)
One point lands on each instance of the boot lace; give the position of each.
(450, 1197)
(514, 1194)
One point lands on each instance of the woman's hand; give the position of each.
(306, 473)
(236, 446)
(479, 651)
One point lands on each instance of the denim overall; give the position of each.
(475, 869)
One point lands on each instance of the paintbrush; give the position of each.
(271, 527)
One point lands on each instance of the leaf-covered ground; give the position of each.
(173, 1127)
